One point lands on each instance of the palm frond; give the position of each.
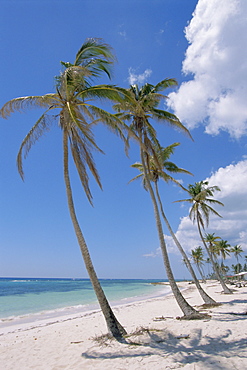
(166, 83)
(42, 125)
(27, 102)
(109, 92)
(92, 48)
(83, 158)
(140, 176)
(214, 201)
(171, 119)
(213, 210)
(96, 56)
(111, 120)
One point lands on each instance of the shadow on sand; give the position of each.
(196, 348)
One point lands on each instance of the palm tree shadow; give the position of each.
(234, 301)
(183, 350)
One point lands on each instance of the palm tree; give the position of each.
(73, 100)
(138, 106)
(197, 255)
(212, 241)
(223, 250)
(237, 268)
(200, 211)
(155, 173)
(237, 250)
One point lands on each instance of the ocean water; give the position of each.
(25, 298)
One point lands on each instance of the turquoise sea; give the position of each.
(27, 298)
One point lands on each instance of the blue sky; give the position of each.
(199, 43)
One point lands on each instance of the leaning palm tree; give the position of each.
(197, 256)
(72, 99)
(138, 106)
(237, 250)
(200, 211)
(162, 171)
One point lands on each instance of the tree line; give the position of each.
(220, 250)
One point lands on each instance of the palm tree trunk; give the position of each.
(187, 310)
(225, 288)
(206, 298)
(200, 272)
(114, 327)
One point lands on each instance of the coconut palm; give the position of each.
(139, 106)
(74, 114)
(237, 268)
(198, 258)
(223, 249)
(200, 211)
(212, 244)
(237, 250)
(155, 173)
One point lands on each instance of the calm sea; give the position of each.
(27, 297)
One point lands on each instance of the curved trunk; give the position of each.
(114, 327)
(225, 288)
(206, 298)
(183, 304)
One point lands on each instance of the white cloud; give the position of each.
(156, 253)
(217, 59)
(138, 78)
(233, 224)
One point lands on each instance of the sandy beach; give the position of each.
(158, 339)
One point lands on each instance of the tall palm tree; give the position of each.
(237, 250)
(162, 171)
(200, 211)
(138, 106)
(197, 255)
(76, 113)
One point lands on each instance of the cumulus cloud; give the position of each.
(135, 78)
(233, 224)
(216, 57)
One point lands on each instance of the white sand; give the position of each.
(217, 343)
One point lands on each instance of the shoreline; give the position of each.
(41, 296)
(161, 341)
(47, 317)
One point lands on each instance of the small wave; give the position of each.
(19, 281)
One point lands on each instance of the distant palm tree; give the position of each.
(236, 268)
(200, 211)
(223, 249)
(73, 102)
(212, 240)
(237, 250)
(162, 171)
(198, 258)
(138, 106)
